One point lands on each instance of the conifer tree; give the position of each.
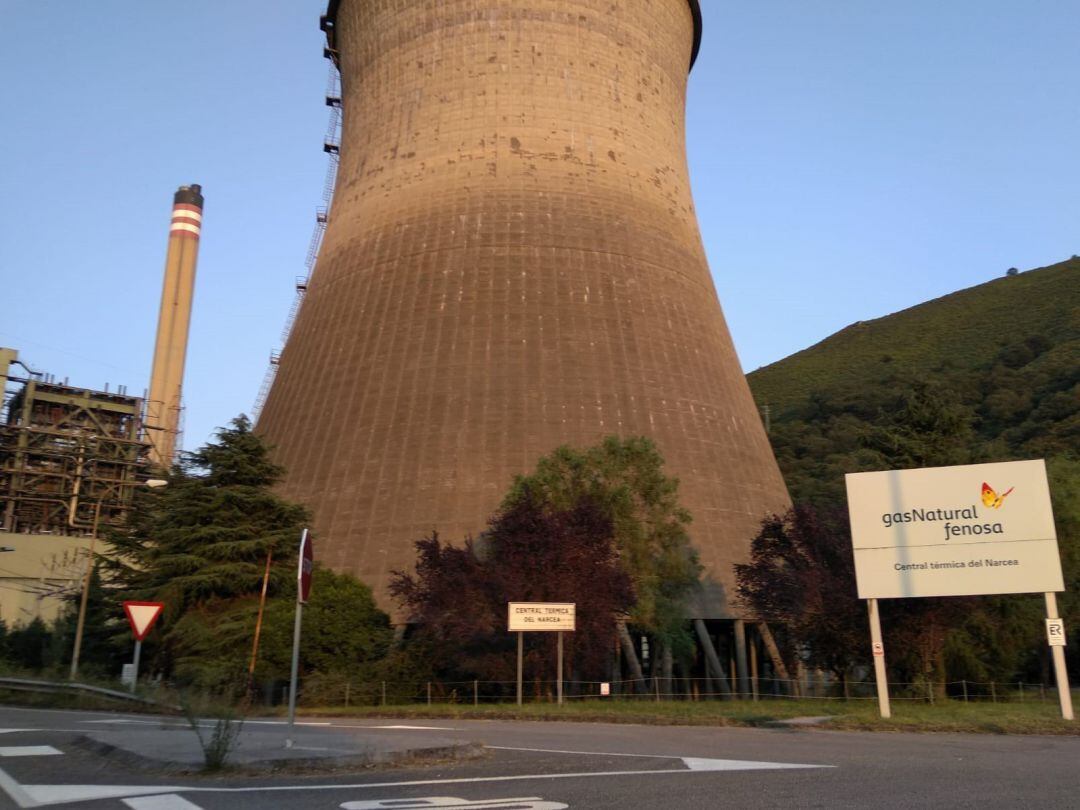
(200, 544)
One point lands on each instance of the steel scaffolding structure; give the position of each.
(70, 457)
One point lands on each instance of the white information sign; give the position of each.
(540, 616)
(954, 531)
(1055, 632)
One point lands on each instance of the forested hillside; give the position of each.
(985, 374)
(991, 373)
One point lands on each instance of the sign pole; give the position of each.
(521, 654)
(879, 659)
(135, 665)
(1058, 651)
(294, 671)
(303, 591)
(560, 668)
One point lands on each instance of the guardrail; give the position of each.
(67, 687)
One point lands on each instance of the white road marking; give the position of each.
(16, 730)
(476, 780)
(526, 803)
(166, 801)
(39, 795)
(28, 751)
(60, 794)
(113, 720)
(693, 763)
(14, 790)
(416, 728)
(699, 764)
(578, 753)
(281, 723)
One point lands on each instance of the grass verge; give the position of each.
(855, 715)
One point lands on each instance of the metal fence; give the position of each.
(345, 692)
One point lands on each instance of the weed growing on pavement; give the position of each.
(226, 724)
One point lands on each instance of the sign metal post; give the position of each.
(135, 666)
(878, 649)
(521, 651)
(1056, 639)
(303, 591)
(559, 671)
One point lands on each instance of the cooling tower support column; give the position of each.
(170, 350)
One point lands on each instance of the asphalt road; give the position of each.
(546, 766)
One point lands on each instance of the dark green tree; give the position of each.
(200, 545)
(29, 646)
(344, 633)
(625, 478)
(801, 577)
(106, 640)
(532, 551)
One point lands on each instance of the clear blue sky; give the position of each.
(849, 159)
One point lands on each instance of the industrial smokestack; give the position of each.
(170, 350)
(512, 262)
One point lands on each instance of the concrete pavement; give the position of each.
(44, 761)
(162, 744)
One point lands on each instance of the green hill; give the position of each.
(990, 373)
(962, 331)
(987, 374)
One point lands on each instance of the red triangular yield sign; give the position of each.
(141, 616)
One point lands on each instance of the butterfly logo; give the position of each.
(991, 498)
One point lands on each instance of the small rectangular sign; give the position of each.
(1055, 632)
(540, 616)
(954, 531)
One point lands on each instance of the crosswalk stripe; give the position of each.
(15, 791)
(28, 751)
(169, 801)
(64, 794)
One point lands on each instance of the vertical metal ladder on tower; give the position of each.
(332, 146)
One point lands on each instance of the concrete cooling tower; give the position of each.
(512, 262)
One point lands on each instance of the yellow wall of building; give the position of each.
(37, 573)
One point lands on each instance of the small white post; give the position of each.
(1060, 674)
(878, 650)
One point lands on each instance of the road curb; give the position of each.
(360, 761)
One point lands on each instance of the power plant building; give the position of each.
(70, 460)
(512, 262)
